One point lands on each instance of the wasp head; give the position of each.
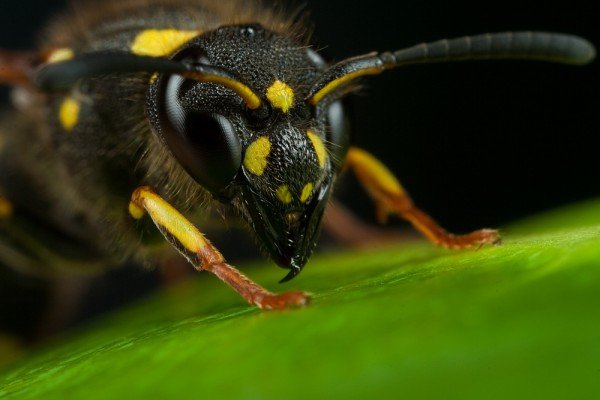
(250, 137)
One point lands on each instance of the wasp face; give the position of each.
(275, 163)
(287, 182)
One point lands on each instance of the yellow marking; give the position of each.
(307, 192)
(281, 96)
(154, 78)
(376, 176)
(60, 55)
(336, 83)
(6, 208)
(135, 211)
(68, 113)
(284, 195)
(292, 218)
(320, 149)
(249, 97)
(255, 160)
(164, 215)
(161, 42)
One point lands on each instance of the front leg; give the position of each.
(391, 199)
(190, 242)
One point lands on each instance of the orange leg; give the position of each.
(391, 199)
(188, 240)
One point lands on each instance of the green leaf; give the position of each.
(412, 321)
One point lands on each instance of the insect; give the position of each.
(155, 110)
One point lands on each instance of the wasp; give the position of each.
(134, 111)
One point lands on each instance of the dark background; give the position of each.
(476, 144)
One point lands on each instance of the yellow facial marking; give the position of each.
(68, 113)
(333, 85)
(284, 195)
(292, 218)
(281, 96)
(161, 42)
(60, 55)
(307, 192)
(6, 208)
(255, 160)
(320, 149)
(154, 78)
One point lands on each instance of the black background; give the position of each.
(476, 144)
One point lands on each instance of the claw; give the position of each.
(474, 239)
(283, 301)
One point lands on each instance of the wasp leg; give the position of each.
(190, 242)
(391, 199)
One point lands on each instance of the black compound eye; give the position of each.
(338, 133)
(205, 144)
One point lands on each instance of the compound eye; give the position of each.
(338, 133)
(205, 144)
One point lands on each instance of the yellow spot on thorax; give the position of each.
(6, 208)
(307, 192)
(60, 55)
(161, 42)
(319, 147)
(257, 153)
(68, 113)
(284, 195)
(281, 96)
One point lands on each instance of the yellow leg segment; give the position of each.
(186, 238)
(391, 199)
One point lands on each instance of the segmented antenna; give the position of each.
(540, 46)
(64, 75)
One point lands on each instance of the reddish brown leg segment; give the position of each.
(256, 294)
(391, 199)
(186, 238)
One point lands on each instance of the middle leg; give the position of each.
(391, 199)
